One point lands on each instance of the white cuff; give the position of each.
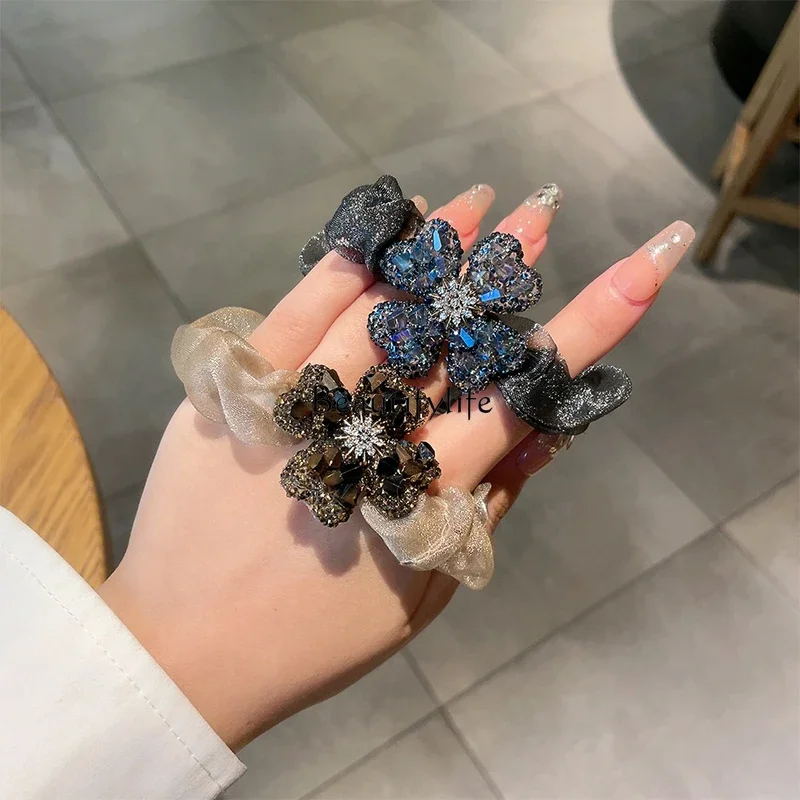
(85, 711)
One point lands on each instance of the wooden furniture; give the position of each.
(768, 118)
(45, 477)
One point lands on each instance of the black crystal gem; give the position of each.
(329, 378)
(388, 466)
(425, 452)
(341, 400)
(393, 485)
(301, 410)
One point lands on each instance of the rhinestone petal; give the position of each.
(419, 264)
(500, 277)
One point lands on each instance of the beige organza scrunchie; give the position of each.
(230, 382)
(227, 379)
(448, 532)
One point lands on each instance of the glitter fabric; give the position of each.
(448, 532)
(543, 394)
(367, 220)
(458, 308)
(228, 380)
(358, 446)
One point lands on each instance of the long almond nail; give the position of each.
(530, 221)
(641, 275)
(547, 199)
(477, 198)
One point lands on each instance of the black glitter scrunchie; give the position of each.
(368, 219)
(544, 394)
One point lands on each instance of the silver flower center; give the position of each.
(362, 437)
(452, 302)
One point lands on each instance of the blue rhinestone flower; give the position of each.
(454, 307)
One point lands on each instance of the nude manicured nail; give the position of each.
(540, 451)
(639, 277)
(547, 199)
(478, 198)
(421, 203)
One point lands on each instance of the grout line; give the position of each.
(762, 570)
(559, 629)
(471, 754)
(371, 754)
(652, 569)
(133, 236)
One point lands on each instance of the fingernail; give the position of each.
(547, 199)
(531, 220)
(421, 203)
(479, 197)
(639, 277)
(540, 451)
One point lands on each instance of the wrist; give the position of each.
(183, 649)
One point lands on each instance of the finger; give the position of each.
(346, 346)
(508, 477)
(297, 324)
(466, 211)
(529, 223)
(584, 331)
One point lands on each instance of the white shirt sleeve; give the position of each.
(85, 711)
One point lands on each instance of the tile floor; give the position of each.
(160, 159)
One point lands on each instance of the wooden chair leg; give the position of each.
(767, 135)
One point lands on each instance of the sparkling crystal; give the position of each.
(453, 301)
(362, 437)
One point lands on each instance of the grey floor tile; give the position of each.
(685, 685)
(722, 423)
(595, 519)
(15, 91)
(197, 137)
(559, 44)
(120, 510)
(672, 112)
(401, 77)
(759, 275)
(697, 15)
(52, 212)
(104, 326)
(691, 313)
(770, 532)
(273, 20)
(310, 748)
(247, 255)
(429, 762)
(78, 45)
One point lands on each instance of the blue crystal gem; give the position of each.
(496, 349)
(466, 338)
(411, 337)
(501, 278)
(419, 264)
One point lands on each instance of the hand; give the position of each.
(252, 607)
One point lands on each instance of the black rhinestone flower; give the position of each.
(459, 308)
(367, 220)
(358, 446)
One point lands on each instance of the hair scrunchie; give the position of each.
(227, 380)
